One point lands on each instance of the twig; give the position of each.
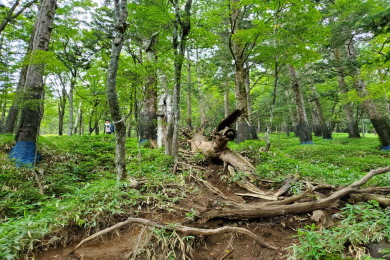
(187, 231)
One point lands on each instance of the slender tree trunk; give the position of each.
(31, 113)
(189, 91)
(61, 109)
(181, 29)
(226, 98)
(120, 128)
(304, 132)
(271, 112)
(238, 49)
(78, 119)
(352, 123)
(247, 92)
(71, 106)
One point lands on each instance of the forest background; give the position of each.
(155, 68)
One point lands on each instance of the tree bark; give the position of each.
(379, 121)
(71, 106)
(148, 115)
(238, 51)
(352, 123)
(304, 132)
(189, 91)
(31, 113)
(271, 112)
(120, 128)
(15, 109)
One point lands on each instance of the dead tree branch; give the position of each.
(279, 208)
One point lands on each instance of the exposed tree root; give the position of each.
(277, 208)
(187, 231)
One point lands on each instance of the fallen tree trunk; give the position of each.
(233, 210)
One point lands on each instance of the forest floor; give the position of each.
(80, 197)
(277, 231)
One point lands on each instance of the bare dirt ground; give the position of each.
(119, 244)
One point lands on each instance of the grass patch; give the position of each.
(361, 225)
(80, 190)
(339, 161)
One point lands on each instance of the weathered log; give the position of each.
(216, 147)
(278, 208)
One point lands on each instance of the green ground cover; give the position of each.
(80, 188)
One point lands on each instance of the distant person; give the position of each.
(108, 127)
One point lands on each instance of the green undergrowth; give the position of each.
(80, 190)
(78, 178)
(361, 226)
(339, 161)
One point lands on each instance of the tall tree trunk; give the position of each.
(315, 119)
(148, 116)
(120, 128)
(32, 99)
(271, 112)
(31, 113)
(78, 119)
(13, 112)
(181, 30)
(71, 106)
(237, 50)
(189, 91)
(352, 123)
(378, 120)
(292, 113)
(304, 132)
(61, 108)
